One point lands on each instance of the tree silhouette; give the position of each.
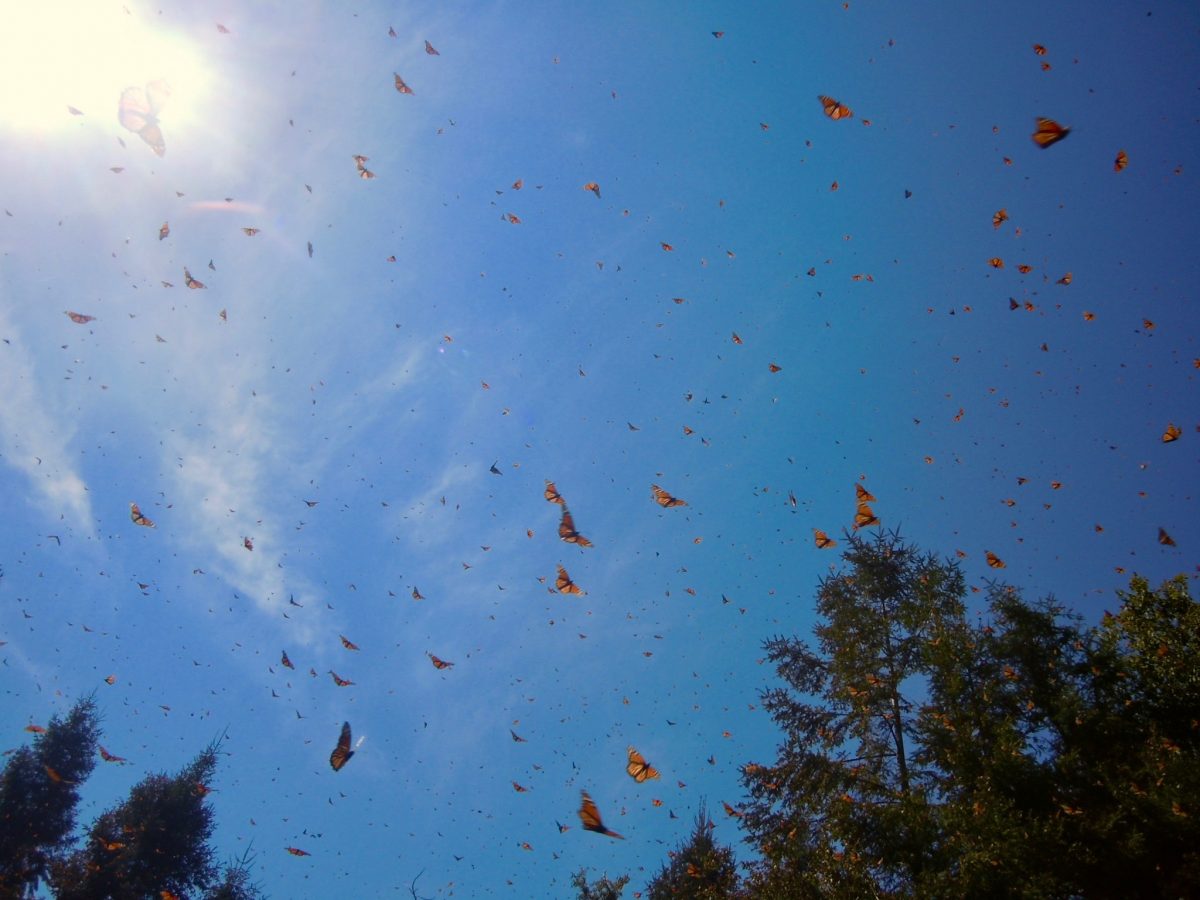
(601, 889)
(1023, 755)
(700, 869)
(38, 795)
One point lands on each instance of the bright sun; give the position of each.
(56, 54)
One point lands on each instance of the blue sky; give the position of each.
(359, 383)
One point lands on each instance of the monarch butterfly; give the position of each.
(35, 729)
(993, 560)
(565, 585)
(593, 187)
(822, 540)
(665, 500)
(401, 86)
(865, 517)
(515, 220)
(138, 519)
(339, 680)
(78, 318)
(251, 232)
(1039, 49)
(638, 769)
(283, 660)
(430, 50)
(666, 247)
(520, 788)
(341, 753)
(833, 109)
(718, 34)
(1121, 161)
(1172, 433)
(164, 231)
(1048, 132)
(1165, 539)
(1024, 269)
(1065, 280)
(416, 594)
(190, 281)
(518, 184)
(737, 340)
(439, 663)
(566, 530)
(517, 739)
(138, 112)
(347, 643)
(552, 494)
(248, 543)
(999, 218)
(296, 851)
(363, 171)
(110, 757)
(773, 368)
(996, 262)
(730, 811)
(862, 494)
(590, 817)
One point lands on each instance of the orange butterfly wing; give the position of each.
(566, 530)
(341, 753)
(1048, 132)
(589, 815)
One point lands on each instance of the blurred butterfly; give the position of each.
(638, 769)
(1065, 280)
(190, 281)
(35, 729)
(774, 368)
(737, 340)
(401, 86)
(517, 738)
(341, 753)
(718, 34)
(138, 519)
(666, 246)
(999, 218)
(363, 171)
(439, 663)
(110, 757)
(285, 661)
(339, 680)
(1039, 49)
(430, 50)
(1121, 161)
(513, 219)
(833, 109)
(865, 517)
(663, 499)
(822, 540)
(164, 231)
(730, 811)
(78, 318)
(296, 851)
(138, 112)
(551, 493)
(520, 788)
(1172, 433)
(593, 187)
(1165, 539)
(247, 543)
(347, 643)
(862, 495)
(1048, 132)
(996, 262)
(993, 560)
(251, 232)
(566, 586)
(590, 817)
(566, 530)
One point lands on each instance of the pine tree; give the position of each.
(603, 888)
(156, 841)
(700, 869)
(38, 796)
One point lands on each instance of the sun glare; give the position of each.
(62, 55)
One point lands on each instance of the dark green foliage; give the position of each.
(156, 840)
(602, 889)
(925, 755)
(700, 869)
(38, 794)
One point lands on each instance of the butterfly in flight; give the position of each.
(283, 660)
(138, 519)
(590, 817)
(138, 112)
(401, 86)
(1121, 161)
(339, 680)
(566, 586)
(862, 495)
(347, 643)
(1048, 132)
(439, 663)
(865, 517)
(78, 318)
(552, 495)
(993, 560)
(296, 851)
(110, 757)
(593, 187)
(566, 530)
(341, 753)
(638, 769)
(164, 231)
(833, 109)
(665, 500)
(191, 282)
(363, 171)
(1172, 433)
(430, 49)
(1165, 539)
(822, 540)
